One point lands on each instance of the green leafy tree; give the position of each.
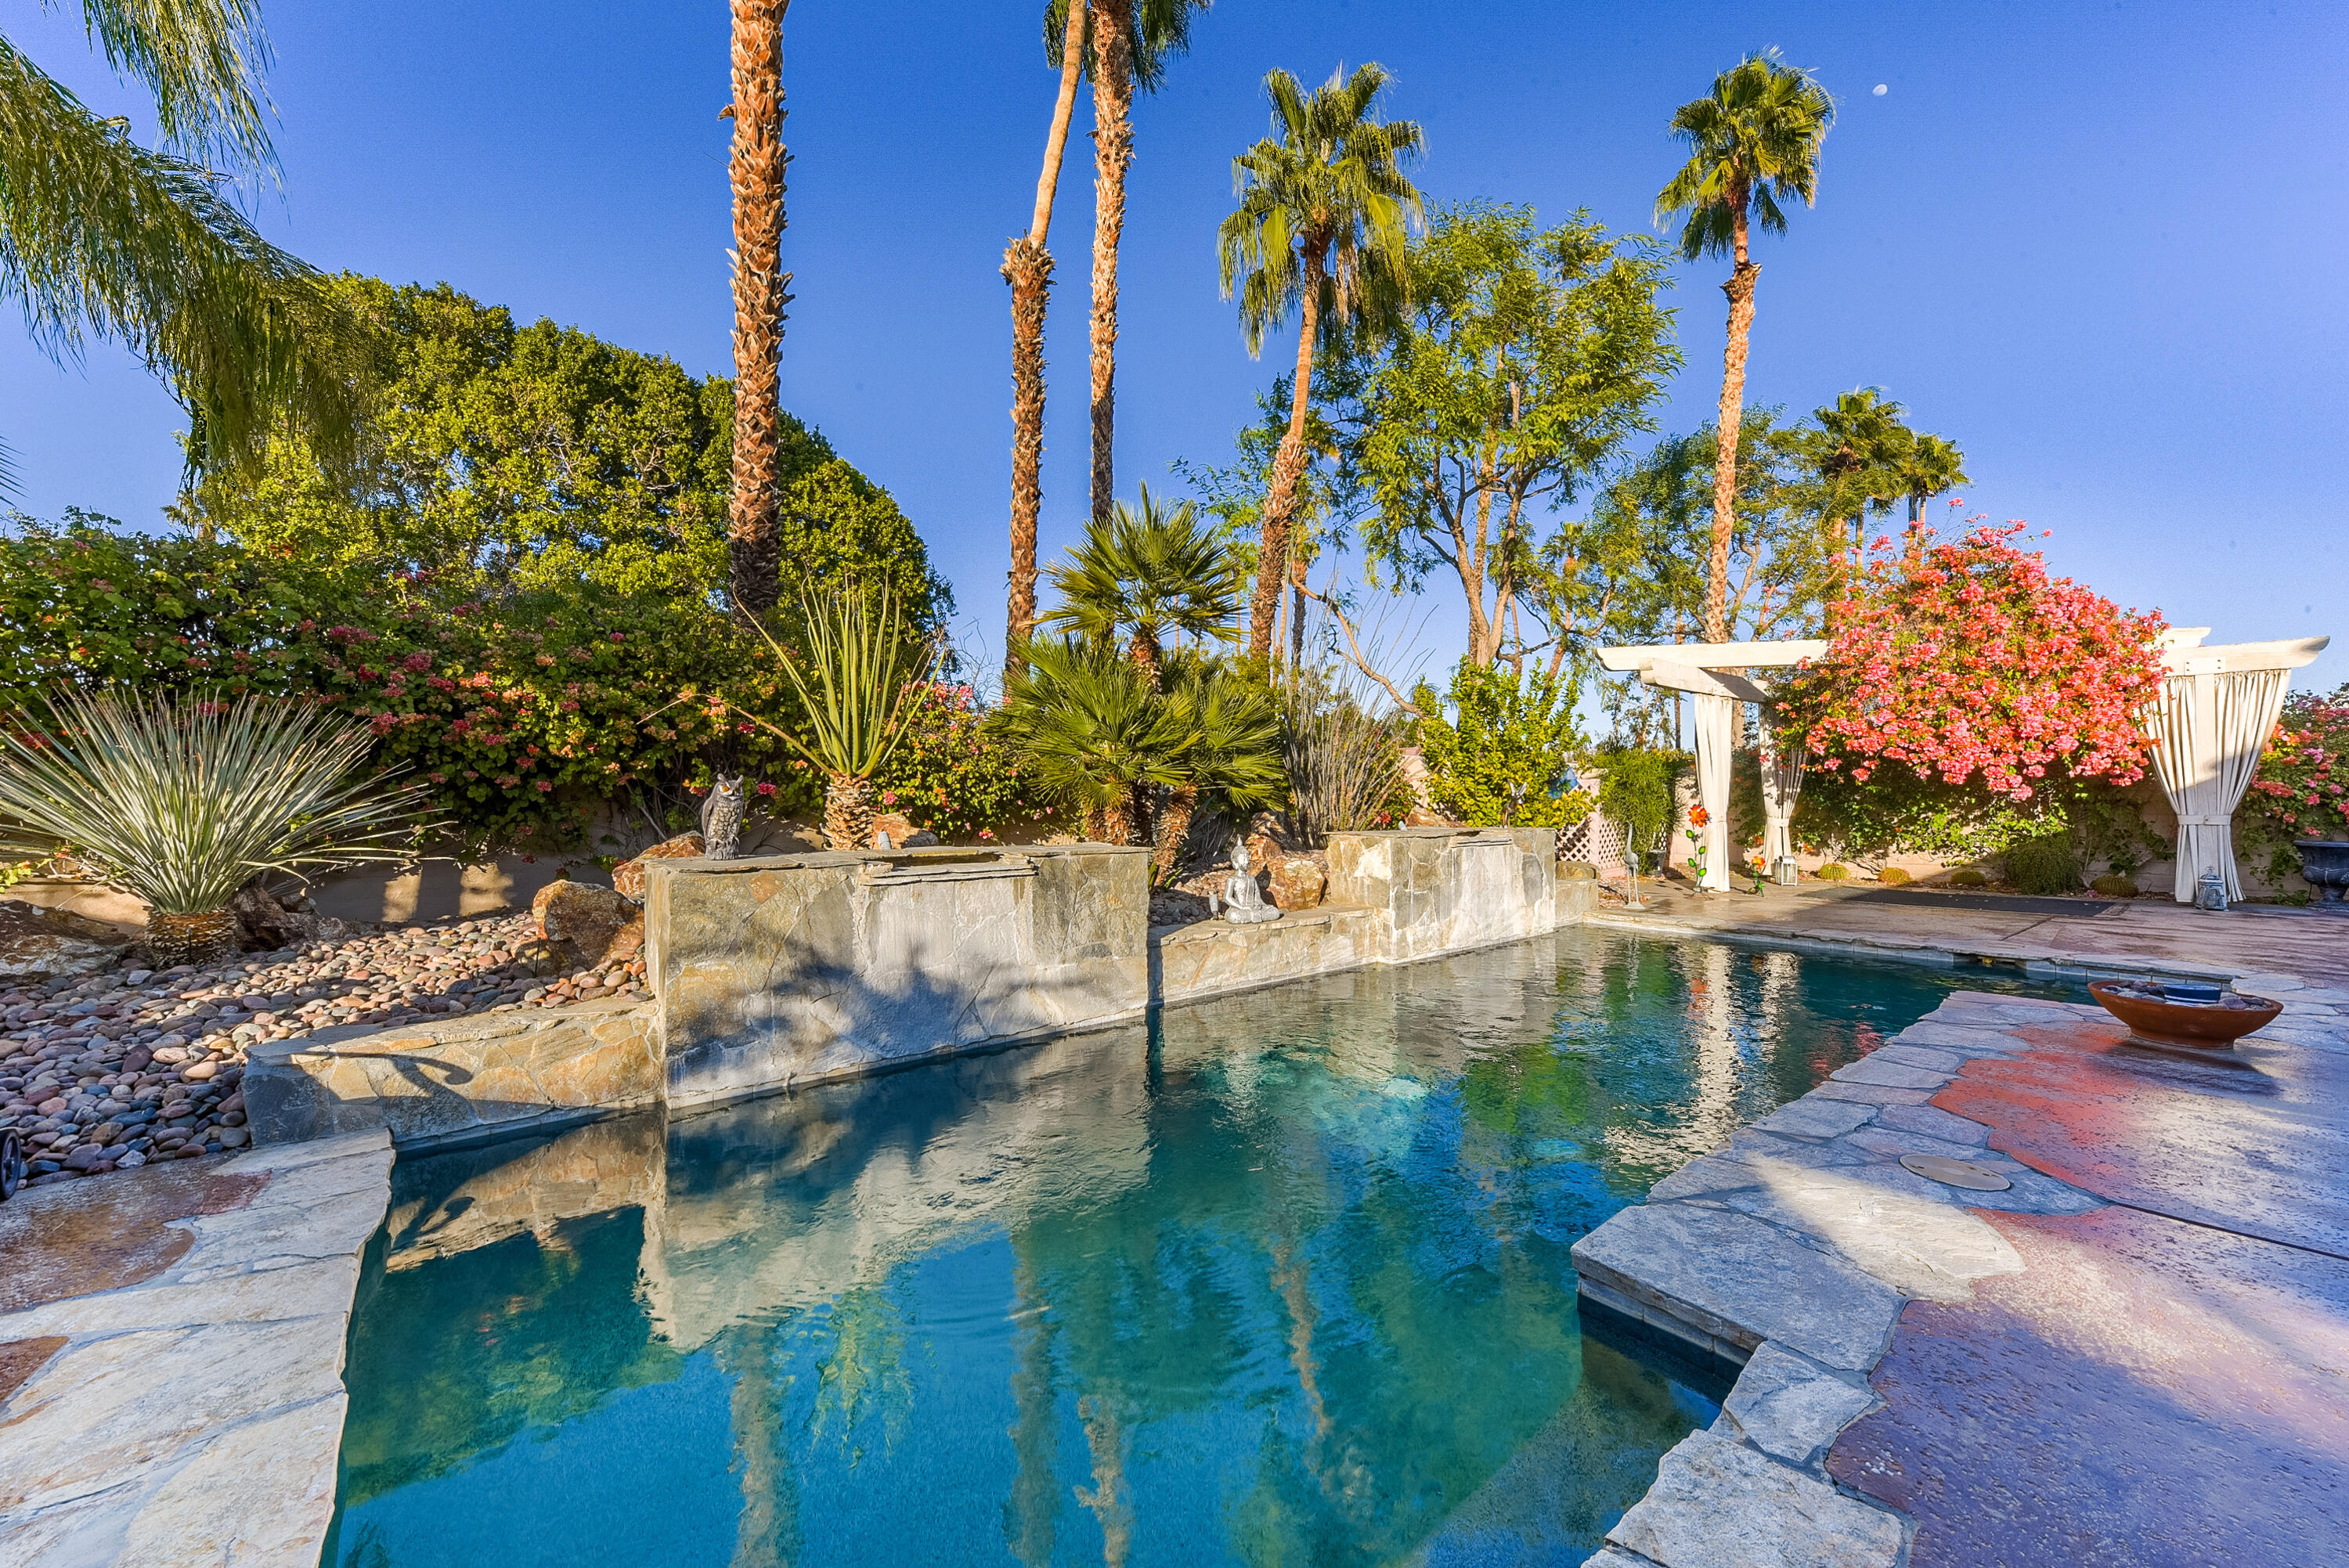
(1753, 143)
(1505, 754)
(102, 238)
(1527, 359)
(1320, 229)
(498, 458)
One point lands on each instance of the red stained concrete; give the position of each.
(2164, 1388)
(2143, 1393)
(2254, 1139)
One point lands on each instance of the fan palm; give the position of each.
(1929, 466)
(1860, 441)
(1027, 268)
(756, 172)
(1150, 571)
(1230, 748)
(102, 238)
(183, 803)
(1093, 732)
(858, 675)
(1754, 142)
(1133, 40)
(1323, 209)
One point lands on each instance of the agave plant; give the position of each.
(858, 673)
(182, 802)
(1094, 733)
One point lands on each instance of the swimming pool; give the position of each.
(1279, 1278)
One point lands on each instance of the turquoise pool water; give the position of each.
(1280, 1279)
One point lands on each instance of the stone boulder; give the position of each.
(628, 876)
(583, 921)
(1298, 881)
(897, 825)
(1422, 817)
(38, 944)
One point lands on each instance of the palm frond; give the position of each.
(99, 236)
(183, 803)
(202, 60)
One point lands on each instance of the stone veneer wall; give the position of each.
(792, 970)
(799, 968)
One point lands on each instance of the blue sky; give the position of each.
(2098, 245)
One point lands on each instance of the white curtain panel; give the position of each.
(2208, 730)
(1716, 735)
(1782, 787)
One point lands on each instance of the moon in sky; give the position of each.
(1881, 90)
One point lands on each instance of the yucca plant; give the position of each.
(182, 802)
(858, 674)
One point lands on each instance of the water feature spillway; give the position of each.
(1280, 1277)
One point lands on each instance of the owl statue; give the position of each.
(721, 819)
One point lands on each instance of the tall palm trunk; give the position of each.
(1027, 268)
(1288, 465)
(848, 811)
(753, 541)
(1740, 290)
(1113, 37)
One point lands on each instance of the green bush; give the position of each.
(1637, 792)
(1503, 753)
(1892, 876)
(1834, 871)
(2114, 885)
(1966, 876)
(2047, 864)
(954, 773)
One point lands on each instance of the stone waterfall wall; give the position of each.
(796, 969)
(791, 970)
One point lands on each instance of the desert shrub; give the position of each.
(2047, 864)
(2114, 885)
(1344, 753)
(1834, 871)
(1966, 876)
(1892, 876)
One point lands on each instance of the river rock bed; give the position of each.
(109, 1071)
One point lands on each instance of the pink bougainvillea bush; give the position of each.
(2301, 790)
(1966, 661)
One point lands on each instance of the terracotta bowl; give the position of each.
(2202, 1026)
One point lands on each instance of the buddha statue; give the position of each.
(1243, 900)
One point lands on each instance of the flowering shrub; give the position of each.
(1965, 659)
(523, 714)
(2301, 790)
(954, 774)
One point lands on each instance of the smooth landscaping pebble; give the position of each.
(110, 1071)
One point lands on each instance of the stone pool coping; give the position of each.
(1795, 1249)
(185, 1405)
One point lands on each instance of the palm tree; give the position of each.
(1323, 209)
(1149, 571)
(1132, 42)
(1753, 143)
(1929, 466)
(1860, 441)
(754, 535)
(1231, 748)
(1027, 268)
(1093, 732)
(102, 238)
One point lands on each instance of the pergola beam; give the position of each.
(2230, 659)
(1625, 658)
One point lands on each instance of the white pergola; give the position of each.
(2218, 706)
